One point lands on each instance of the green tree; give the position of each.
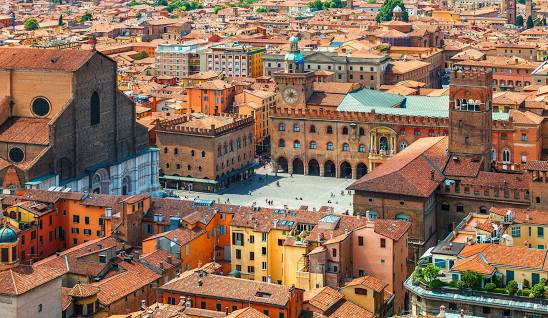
(141, 55)
(470, 279)
(31, 24)
(530, 22)
(385, 13)
(519, 20)
(490, 287)
(261, 10)
(60, 22)
(430, 273)
(86, 17)
(538, 290)
(316, 5)
(160, 3)
(371, 1)
(512, 287)
(216, 9)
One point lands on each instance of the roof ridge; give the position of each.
(14, 283)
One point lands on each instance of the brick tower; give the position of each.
(470, 115)
(294, 84)
(510, 11)
(528, 9)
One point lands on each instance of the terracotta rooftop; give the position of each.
(369, 282)
(224, 287)
(43, 59)
(25, 130)
(24, 278)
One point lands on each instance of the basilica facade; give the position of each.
(64, 124)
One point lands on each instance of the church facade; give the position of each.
(64, 123)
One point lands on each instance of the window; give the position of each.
(329, 130)
(523, 137)
(383, 243)
(360, 240)
(403, 145)
(329, 146)
(238, 254)
(281, 143)
(263, 266)
(360, 291)
(486, 310)
(280, 242)
(296, 144)
(95, 109)
(334, 252)
(86, 220)
(251, 256)
(346, 147)
(238, 239)
(296, 128)
(345, 130)
(263, 250)
(264, 236)
(417, 132)
(218, 307)
(281, 127)
(312, 129)
(540, 231)
(16, 154)
(313, 145)
(203, 305)
(362, 132)
(40, 307)
(40, 107)
(402, 217)
(361, 148)
(506, 155)
(251, 269)
(516, 231)
(460, 207)
(75, 219)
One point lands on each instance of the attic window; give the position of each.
(16, 154)
(263, 294)
(40, 107)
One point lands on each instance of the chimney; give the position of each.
(442, 311)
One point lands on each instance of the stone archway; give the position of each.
(329, 169)
(345, 170)
(313, 168)
(298, 166)
(361, 170)
(100, 182)
(282, 164)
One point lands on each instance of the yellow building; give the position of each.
(522, 227)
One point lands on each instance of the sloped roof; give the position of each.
(409, 172)
(43, 59)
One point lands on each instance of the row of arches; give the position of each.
(345, 169)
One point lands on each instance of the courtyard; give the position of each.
(284, 190)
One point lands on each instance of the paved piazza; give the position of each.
(313, 192)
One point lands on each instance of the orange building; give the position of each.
(212, 98)
(200, 289)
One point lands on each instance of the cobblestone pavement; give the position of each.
(293, 191)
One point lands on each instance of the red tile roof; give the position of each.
(409, 172)
(24, 130)
(23, 278)
(43, 59)
(369, 282)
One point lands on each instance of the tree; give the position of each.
(216, 9)
(385, 13)
(512, 287)
(371, 1)
(316, 5)
(530, 22)
(141, 55)
(430, 273)
(538, 290)
(261, 10)
(470, 279)
(160, 3)
(61, 23)
(490, 287)
(519, 20)
(31, 24)
(86, 17)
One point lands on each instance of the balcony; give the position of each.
(381, 154)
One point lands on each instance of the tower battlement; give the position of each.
(471, 78)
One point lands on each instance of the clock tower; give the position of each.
(294, 84)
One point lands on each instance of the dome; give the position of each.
(293, 39)
(396, 9)
(7, 235)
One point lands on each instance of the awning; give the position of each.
(189, 179)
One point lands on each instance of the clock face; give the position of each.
(290, 95)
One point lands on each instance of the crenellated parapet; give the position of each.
(184, 125)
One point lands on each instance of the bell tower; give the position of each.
(470, 115)
(294, 84)
(510, 11)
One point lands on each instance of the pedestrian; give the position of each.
(228, 200)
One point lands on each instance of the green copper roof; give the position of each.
(365, 100)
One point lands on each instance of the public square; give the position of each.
(293, 192)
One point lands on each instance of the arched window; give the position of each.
(126, 185)
(176, 151)
(402, 217)
(281, 143)
(192, 153)
(345, 147)
(281, 127)
(362, 132)
(313, 145)
(312, 129)
(230, 146)
(239, 143)
(329, 130)
(506, 155)
(361, 148)
(165, 149)
(203, 154)
(329, 146)
(250, 139)
(219, 151)
(296, 144)
(345, 130)
(95, 109)
(296, 128)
